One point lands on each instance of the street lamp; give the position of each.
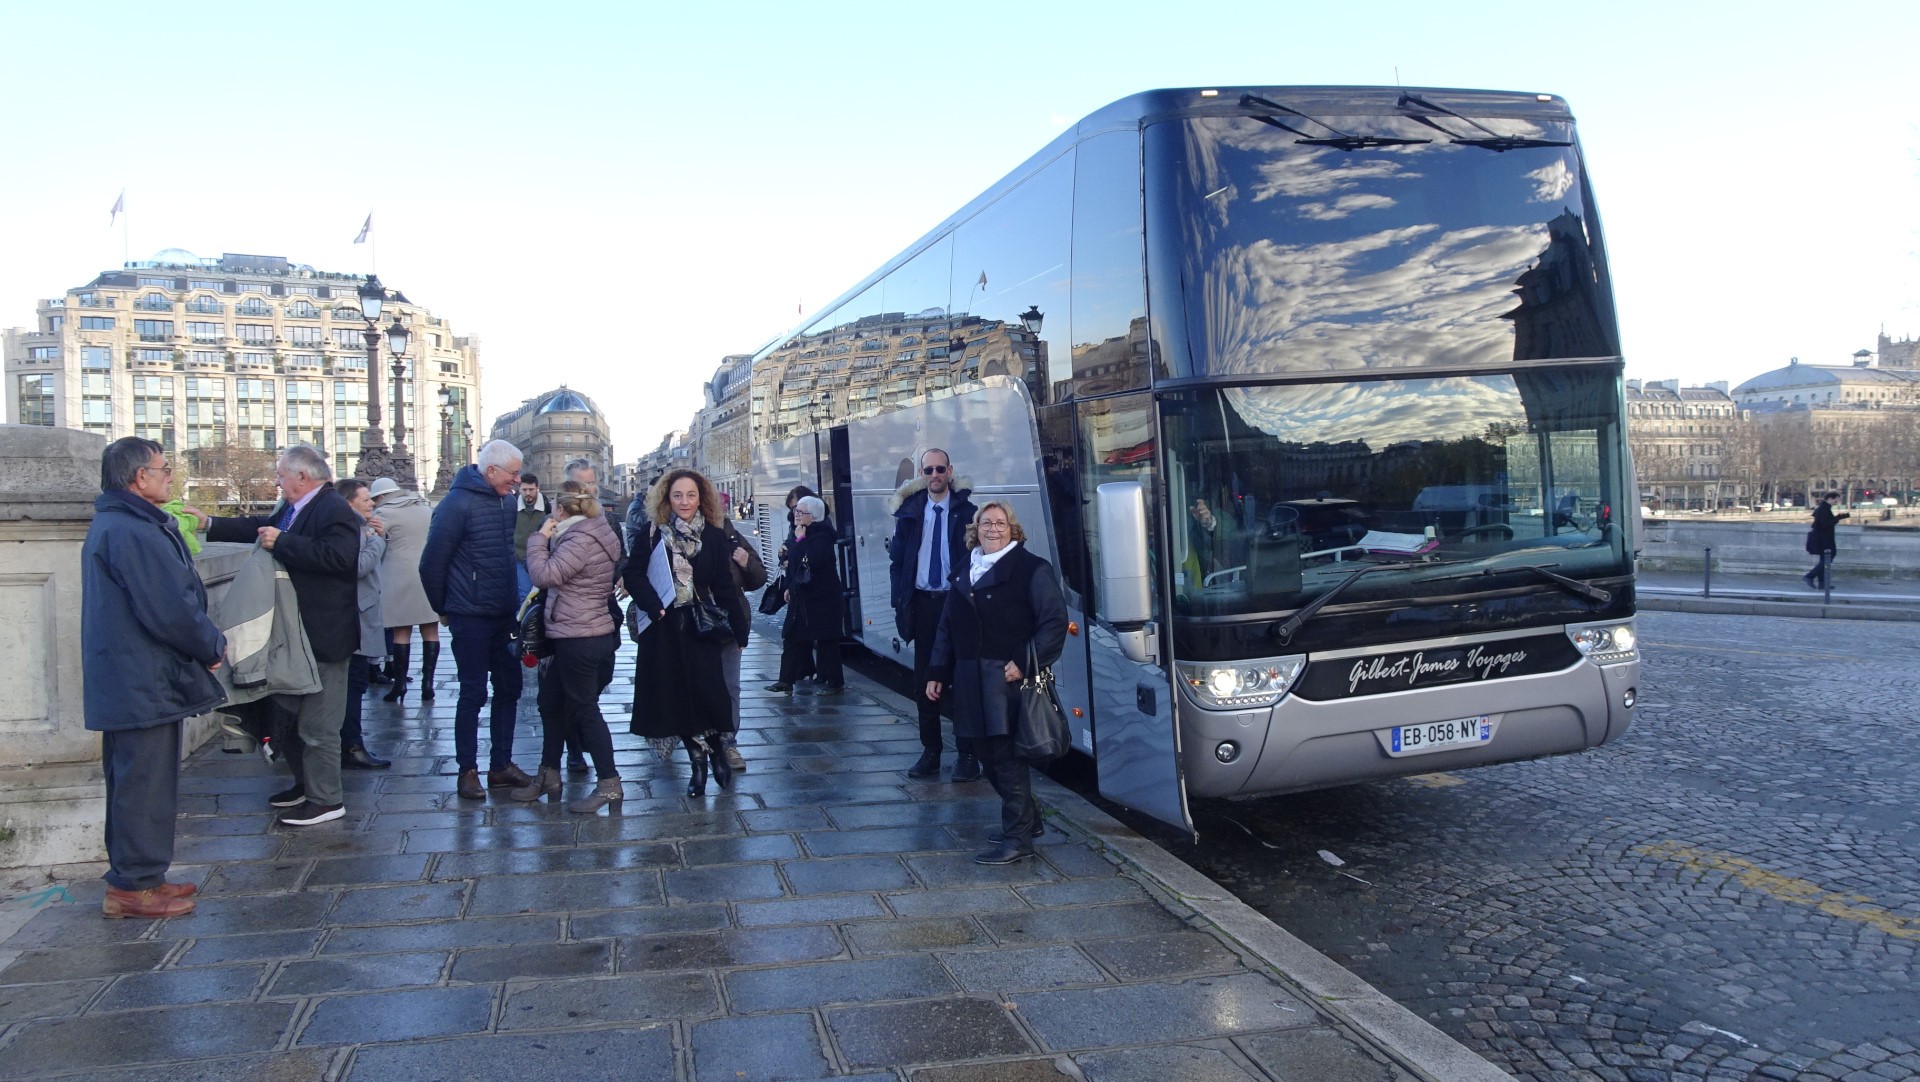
(373, 445)
(444, 479)
(1031, 319)
(398, 338)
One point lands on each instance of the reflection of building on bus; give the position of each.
(1326, 504)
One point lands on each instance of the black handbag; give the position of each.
(775, 598)
(710, 623)
(533, 627)
(1041, 734)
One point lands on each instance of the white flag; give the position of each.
(365, 228)
(119, 208)
(983, 279)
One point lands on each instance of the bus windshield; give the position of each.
(1281, 492)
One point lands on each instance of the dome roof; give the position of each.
(565, 401)
(175, 255)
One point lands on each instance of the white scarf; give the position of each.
(982, 562)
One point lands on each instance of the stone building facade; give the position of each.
(554, 428)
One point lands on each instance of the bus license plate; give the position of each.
(1439, 735)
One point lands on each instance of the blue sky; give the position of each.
(617, 195)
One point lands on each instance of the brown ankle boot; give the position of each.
(605, 793)
(144, 904)
(547, 784)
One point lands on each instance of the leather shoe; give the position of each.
(966, 767)
(722, 770)
(508, 775)
(999, 836)
(359, 758)
(144, 904)
(926, 766)
(735, 761)
(176, 890)
(469, 787)
(780, 688)
(1004, 853)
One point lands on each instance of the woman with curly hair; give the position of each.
(680, 690)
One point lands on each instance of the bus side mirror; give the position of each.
(1126, 573)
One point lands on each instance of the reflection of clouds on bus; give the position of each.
(1343, 304)
(1379, 414)
(1551, 181)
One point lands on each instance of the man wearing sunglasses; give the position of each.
(929, 541)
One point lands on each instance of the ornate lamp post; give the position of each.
(398, 338)
(1032, 318)
(373, 445)
(444, 479)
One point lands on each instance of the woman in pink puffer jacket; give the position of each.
(574, 559)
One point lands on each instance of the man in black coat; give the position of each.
(315, 535)
(1821, 541)
(147, 657)
(929, 507)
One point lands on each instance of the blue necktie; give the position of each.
(286, 518)
(936, 569)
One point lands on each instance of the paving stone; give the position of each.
(926, 1031)
(784, 819)
(772, 1047)
(847, 874)
(322, 842)
(219, 950)
(299, 1065)
(840, 843)
(1006, 1070)
(1156, 957)
(651, 920)
(597, 858)
(694, 886)
(836, 982)
(560, 893)
(469, 839)
(730, 947)
(356, 870)
(637, 998)
(1184, 1062)
(654, 827)
(1161, 1012)
(911, 815)
(118, 1039)
(959, 870)
(217, 850)
(1076, 860)
(248, 913)
(938, 903)
(810, 910)
(445, 818)
(838, 793)
(391, 905)
(399, 1016)
(1022, 969)
(1084, 892)
(894, 936)
(360, 973)
(443, 935)
(1079, 923)
(35, 966)
(535, 960)
(758, 847)
(217, 984)
(255, 877)
(54, 999)
(74, 924)
(636, 1053)
(1316, 1053)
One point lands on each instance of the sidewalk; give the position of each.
(1778, 595)
(822, 920)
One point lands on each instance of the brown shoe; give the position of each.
(508, 775)
(176, 890)
(144, 904)
(469, 787)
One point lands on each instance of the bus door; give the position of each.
(839, 475)
(1135, 734)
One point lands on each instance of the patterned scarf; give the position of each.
(683, 541)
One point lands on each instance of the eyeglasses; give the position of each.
(994, 526)
(931, 470)
(168, 470)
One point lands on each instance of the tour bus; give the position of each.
(1313, 395)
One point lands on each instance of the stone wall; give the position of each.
(1776, 548)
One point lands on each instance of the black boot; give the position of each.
(429, 657)
(400, 659)
(697, 755)
(717, 760)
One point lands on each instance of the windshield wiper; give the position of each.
(1493, 140)
(1284, 632)
(1339, 140)
(1583, 589)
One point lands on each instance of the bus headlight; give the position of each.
(1230, 684)
(1605, 643)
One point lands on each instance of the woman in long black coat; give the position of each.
(815, 601)
(680, 690)
(1006, 602)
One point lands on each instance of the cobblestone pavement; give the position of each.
(823, 919)
(1728, 892)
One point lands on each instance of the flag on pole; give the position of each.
(983, 279)
(799, 308)
(119, 208)
(365, 228)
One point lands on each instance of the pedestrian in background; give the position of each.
(815, 605)
(1821, 542)
(574, 558)
(403, 600)
(373, 629)
(529, 513)
(147, 657)
(930, 519)
(795, 666)
(680, 691)
(1005, 608)
(467, 572)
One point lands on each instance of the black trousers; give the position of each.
(142, 768)
(357, 671)
(570, 703)
(923, 613)
(1816, 576)
(1010, 777)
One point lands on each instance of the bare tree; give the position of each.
(233, 475)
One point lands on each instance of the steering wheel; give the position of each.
(1505, 530)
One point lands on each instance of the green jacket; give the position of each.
(527, 519)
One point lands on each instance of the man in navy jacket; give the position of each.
(148, 653)
(315, 535)
(467, 569)
(921, 567)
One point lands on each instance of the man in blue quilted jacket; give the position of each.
(467, 569)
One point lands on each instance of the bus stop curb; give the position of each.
(1402, 1036)
(1804, 610)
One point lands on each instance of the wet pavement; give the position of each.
(823, 919)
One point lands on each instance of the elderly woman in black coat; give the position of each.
(815, 601)
(1003, 605)
(680, 690)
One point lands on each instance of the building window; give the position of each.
(35, 400)
(203, 304)
(96, 357)
(44, 353)
(96, 323)
(253, 306)
(202, 283)
(204, 356)
(154, 302)
(153, 355)
(153, 330)
(255, 332)
(306, 336)
(164, 283)
(302, 309)
(350, 337)
(206, 332)
(304, 291)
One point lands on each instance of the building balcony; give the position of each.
(153, 306)
(97, 302)
(156, 338)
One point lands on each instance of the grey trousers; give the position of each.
(142, 768)
(316, 764)
(730, 668)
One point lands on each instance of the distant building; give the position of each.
(1680, 438)
(252, 349)
(555, 428)
(672, 453)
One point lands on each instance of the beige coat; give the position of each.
(403, 601)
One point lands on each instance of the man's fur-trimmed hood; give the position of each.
(961, 488)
